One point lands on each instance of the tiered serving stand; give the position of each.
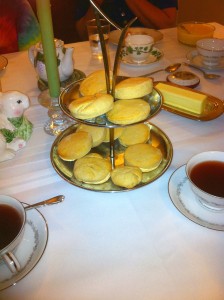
(112, 150)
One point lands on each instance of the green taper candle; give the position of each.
(47, 35)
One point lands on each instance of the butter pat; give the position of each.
(183, 99)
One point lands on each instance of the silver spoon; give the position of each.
(54, 200)
(168, 69)
(206, 75)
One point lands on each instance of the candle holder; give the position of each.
(58, 121)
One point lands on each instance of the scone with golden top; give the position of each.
(144, 156)
(74, 146)
(126, 176)
(98, 133)
(129, 111)
(134, 134)
(94, 83)
(88, 107)
(135, 87)
(92, 169)
(117, 133)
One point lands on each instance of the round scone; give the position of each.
(126, 176)
(144, 156)
(74, 145)
(129, 111)
(94, 83)
(117, 133)
(88, 107)
(134, 134)
(135, 87)
(92, 169)
(98, 133)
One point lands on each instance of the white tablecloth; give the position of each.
(123, 246)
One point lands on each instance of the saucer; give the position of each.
(30, 250)
(187, 203)
(76, 75)
(197, 60)
(3, 62)
(155, 56)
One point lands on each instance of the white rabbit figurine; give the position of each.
(15, 129)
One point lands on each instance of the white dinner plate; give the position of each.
(196, 59)
(155, 56)
(156, 34)
(30, 250)
(186, 202)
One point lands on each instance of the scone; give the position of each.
(88, 107)
(98, 133)
(117, 133)
(126, 176)
(144, 156)
(92, 169)
(135, 87)
(74, 145)
(134, 134)
(129, 111)
(94, 83)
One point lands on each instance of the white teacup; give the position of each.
(12, 226)
(205, 172)
(138, 47)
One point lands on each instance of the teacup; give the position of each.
(205, 172)
(138, 47)
(12, 226)
(211, 50)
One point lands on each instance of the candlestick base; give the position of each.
(58, 121)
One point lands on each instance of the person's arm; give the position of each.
(80, 25)
(152, 16)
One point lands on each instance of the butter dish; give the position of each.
(189, 103)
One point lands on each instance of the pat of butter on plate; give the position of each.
(183, 99)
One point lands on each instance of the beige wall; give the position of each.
(201, 10)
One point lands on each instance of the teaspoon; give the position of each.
(206, 75)
(168, 69)
(54, 200)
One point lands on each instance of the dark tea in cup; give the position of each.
(205, 172)
(10, 224)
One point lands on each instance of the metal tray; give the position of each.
(65, 169)
(71, 93)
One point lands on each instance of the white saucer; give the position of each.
(30, 251)
(186, 202)
(197, 60)
(155, 56)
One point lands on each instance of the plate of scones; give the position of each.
(112, 146)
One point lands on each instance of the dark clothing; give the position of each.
(118, 11)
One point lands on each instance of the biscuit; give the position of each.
(94, 83)
(144, 156)
(126, 176)
(92, 169)
(134, 134)
(98, 133)
(129, 111)
(88, 107)
(74, 146)
(135, 87)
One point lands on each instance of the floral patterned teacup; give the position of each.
(139, 47)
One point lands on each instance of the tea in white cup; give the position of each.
(12, 226)
(139, 47)
(205, 172)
